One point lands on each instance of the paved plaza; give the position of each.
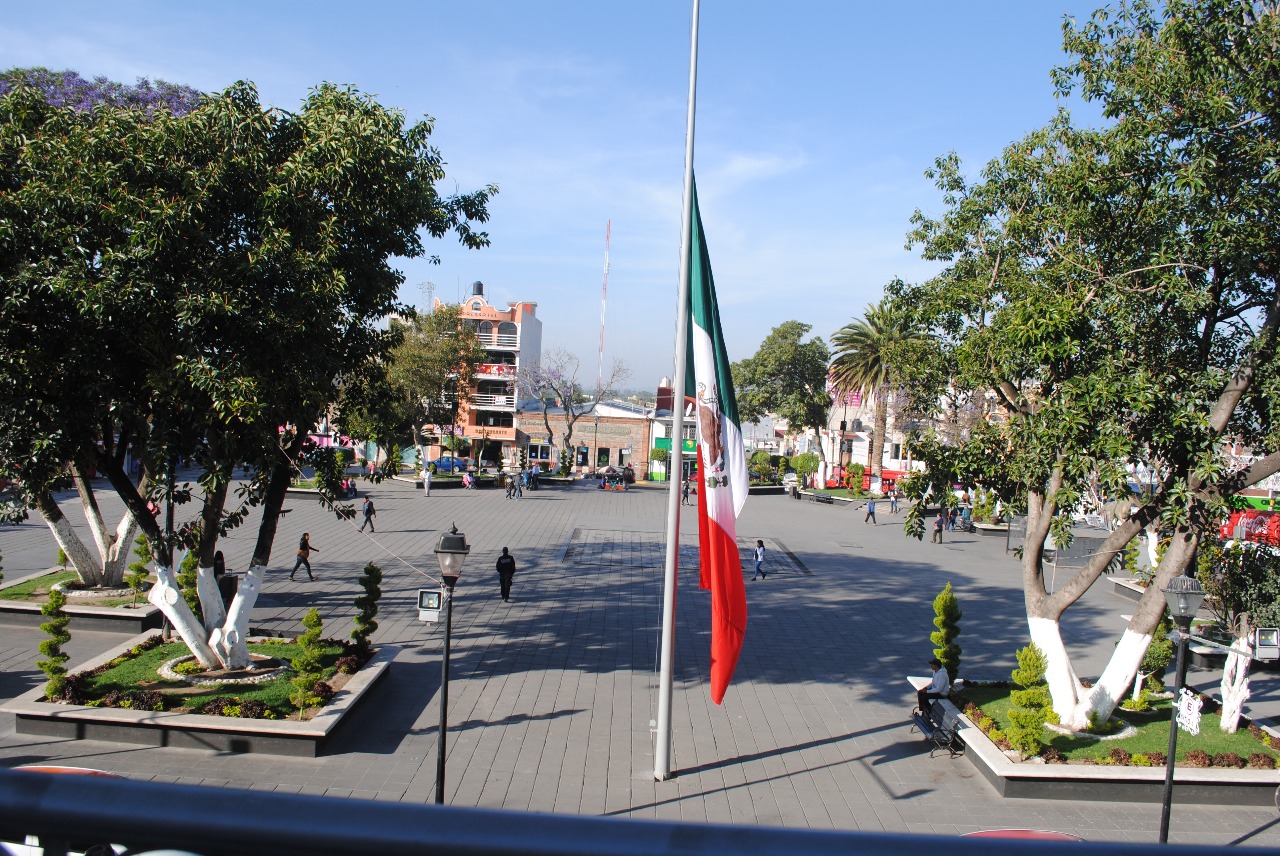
(552, 695)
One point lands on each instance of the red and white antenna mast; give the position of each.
(604, 302)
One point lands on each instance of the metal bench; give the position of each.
(824, 498)
(939, 727)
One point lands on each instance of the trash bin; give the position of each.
(228, 585)
(795, 492)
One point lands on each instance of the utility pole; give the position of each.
(429, 290)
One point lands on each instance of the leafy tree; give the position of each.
(428, 376)
(194, 282)
(553, 380)
(1242, 581)
(805, 464)
(946, 617)
(866, 357)
(1114, 289)
(787, 378)
(56, 629)
(1032, 704)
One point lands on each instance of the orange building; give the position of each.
(513, 339)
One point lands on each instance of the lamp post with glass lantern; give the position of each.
(1184, 596)
(451, 552)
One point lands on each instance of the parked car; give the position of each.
(450, 464)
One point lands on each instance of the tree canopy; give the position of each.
(1115, 288)
(183, 285)
(786, 377)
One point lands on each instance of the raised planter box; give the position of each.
(191, 730)
(110, 619)
(1127, 588)
(1001, 529)
(1097, 783)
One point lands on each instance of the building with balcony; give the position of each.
(512, 338)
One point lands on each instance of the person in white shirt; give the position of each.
(760, 562)
(939, 687)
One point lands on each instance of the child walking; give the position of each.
(759, 561)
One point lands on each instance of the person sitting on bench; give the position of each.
(939, 687)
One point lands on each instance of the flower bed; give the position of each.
(988, 707)
(134, 681)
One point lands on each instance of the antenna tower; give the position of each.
(604, 302)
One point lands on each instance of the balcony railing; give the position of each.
(501, 370)
(493, 402)
(205, 820)
(505, 341)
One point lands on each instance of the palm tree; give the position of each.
(862, 364)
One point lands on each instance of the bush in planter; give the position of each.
(1052, 756)
(1120, 757)
(1033, 705)
(1228, 759)
(1198, 758)
(307, 664)
(367, 603)
(55, 657)
(187, 575)
(136, 579)
(1140, 760)
(1158, 759)
(1262, 761)
(947, 617)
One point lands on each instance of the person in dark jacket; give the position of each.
(304, 555)
(506, 573)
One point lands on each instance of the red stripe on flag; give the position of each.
(720, 570)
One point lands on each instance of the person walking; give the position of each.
(369, 513)
(426, 481)
(506, 573)
(938, 523)
(684, 493)
(304, 556)
(893, 501)
(759, 561)
(871, 512)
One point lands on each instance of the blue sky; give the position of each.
(816, 120)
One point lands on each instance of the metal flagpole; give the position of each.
(662, 748)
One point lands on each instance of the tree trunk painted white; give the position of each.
(1064, 687)
(1122, 669)
(107, 569)
(116, 560)
(229, 640)
(220, 642)
(1235, 676)
(212, 611)
(166, 595)
(77, 553)
(1074, 703)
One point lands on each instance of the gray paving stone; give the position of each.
(551, 696)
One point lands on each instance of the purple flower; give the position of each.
(69, 89)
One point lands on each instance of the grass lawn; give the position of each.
(1152, 736)
(141, 672)
(37, 588)
(843, 493)
(37, 591)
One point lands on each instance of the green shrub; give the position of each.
(62, 558)
(367, 604)
(307, 665)
(1140, 760)
(947, 617)
(136, 579)
(51, 648)
(1033, 704)
(190, 667)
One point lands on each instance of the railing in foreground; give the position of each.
(216, 821)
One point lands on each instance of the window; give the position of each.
(580, 456)
(485, 328)
(897, 452)
(539, 452)
(602, 457)
(506, 328)
(476, 306)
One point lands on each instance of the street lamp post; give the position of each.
(451, 552)
(1184, 596)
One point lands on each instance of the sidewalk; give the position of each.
(551, 696)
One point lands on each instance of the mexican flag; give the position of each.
(722, 465)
